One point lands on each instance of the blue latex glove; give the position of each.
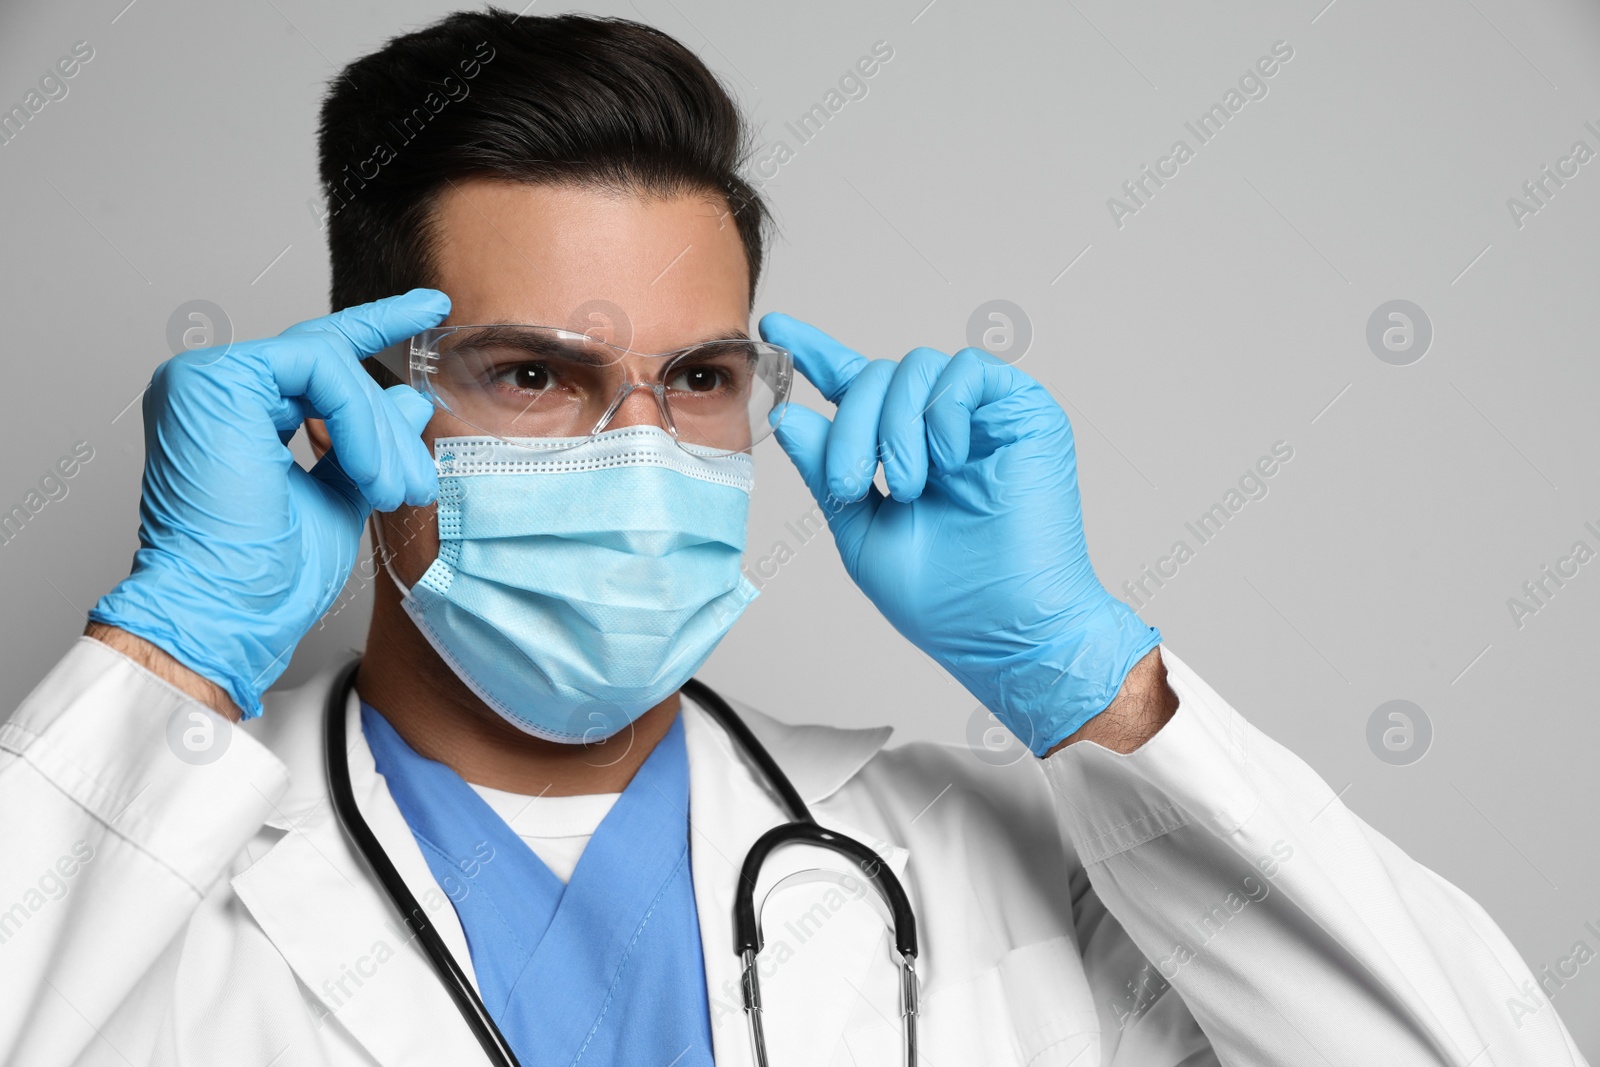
(241, 550)
(977, 556)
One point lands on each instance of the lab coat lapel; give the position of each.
(314, 897)
(814, 969)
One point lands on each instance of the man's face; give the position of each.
(574, 258)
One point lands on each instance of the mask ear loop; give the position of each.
(386, 556)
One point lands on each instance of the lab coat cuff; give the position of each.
(153, 765)
(1194, 770)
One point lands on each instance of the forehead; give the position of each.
(579, 257)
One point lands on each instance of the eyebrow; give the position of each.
(731, 335)
(512, 335)
(500, 332)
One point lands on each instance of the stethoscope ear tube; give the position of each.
(788, 797)
(747, 928)
(355, 825)
(803, 829)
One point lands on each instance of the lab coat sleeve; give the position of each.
(108, 842)
(1294, 932)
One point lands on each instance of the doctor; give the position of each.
(1153, 883)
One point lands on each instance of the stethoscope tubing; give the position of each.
(801, 828)
(355, 825)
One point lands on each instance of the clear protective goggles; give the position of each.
(514, 381)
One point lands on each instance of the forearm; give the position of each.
(111, 832)
(1285, 922)
(1141, 707)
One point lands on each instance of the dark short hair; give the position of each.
(567, 99)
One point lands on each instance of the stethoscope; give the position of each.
(801, 828)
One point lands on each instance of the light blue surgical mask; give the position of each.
(580, 582)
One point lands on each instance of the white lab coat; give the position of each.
(157, 912)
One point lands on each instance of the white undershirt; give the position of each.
(556, 828)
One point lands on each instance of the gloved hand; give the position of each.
(977, 556)
(241, 550)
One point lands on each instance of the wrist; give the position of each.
(174, 629)
(161, 663)
(207, 625)
(1049, 691)
(1143, 705)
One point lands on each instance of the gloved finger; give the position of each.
(970, 380)
(327, 471)
(289, 417)
(853, 441)
(803, 435)
(414, 412)
(367, 329)
(356, 416)
(337, 390)
(826, 364)
(1027, 410)
(901, 431)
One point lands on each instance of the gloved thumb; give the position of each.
(415, 408)
(329, 473)
(803, 435)
(414, 411)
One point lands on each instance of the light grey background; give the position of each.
(1228, 314)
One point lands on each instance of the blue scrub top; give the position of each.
(604, 969)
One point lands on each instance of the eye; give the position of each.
(528, 377)
(699, 379)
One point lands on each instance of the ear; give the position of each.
(317, 434)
